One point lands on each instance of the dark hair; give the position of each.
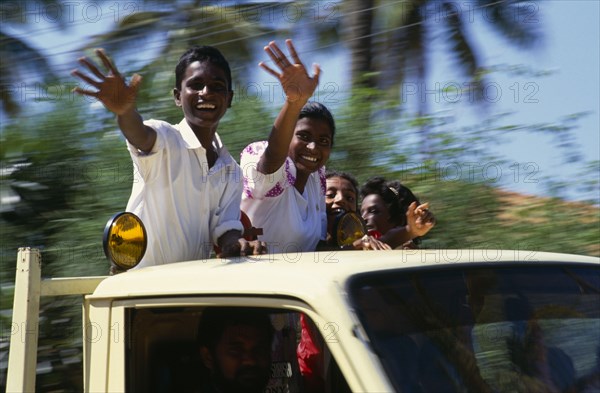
(344, 175)
(201, 53)
(397, 202)
(316, 110)
(215, 320)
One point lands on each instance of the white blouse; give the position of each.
(291, 222)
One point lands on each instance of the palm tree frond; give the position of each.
(17, 57)
(516, 20)
(130, 31)
(24, 11)
(17, 53)
(461, 48)
(465, 53)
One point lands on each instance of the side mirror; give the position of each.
(347, 228)
(125, 240)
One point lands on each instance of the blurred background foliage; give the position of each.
(65, 169)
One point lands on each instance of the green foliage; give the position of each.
(44, 160)
(471, 208)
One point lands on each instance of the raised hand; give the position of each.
(419, 220)
(294, 78)
(112, 90)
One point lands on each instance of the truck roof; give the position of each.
(304, 275)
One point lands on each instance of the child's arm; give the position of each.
(228, 224)
(119, 98)
(298, 87)
(419, 220)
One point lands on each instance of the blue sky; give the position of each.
(569, 55)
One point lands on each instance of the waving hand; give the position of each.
(118, 97)
(294, 78)
(112, 90)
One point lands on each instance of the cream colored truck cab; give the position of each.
(412, 320)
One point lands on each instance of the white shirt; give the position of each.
(291, 222)
(184, 205)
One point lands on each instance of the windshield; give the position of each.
(490, 329)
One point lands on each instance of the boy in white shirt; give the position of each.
(187, 189)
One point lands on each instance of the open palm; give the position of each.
(112, 90)
(294, 79)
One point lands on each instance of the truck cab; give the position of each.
(406, 320)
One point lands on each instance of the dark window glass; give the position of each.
(497, 329)
(163, 351)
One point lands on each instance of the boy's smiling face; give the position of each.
(204, 96)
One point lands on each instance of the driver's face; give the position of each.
(243, 359)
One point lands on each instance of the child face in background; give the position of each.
(376, 214)
(340, 194)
